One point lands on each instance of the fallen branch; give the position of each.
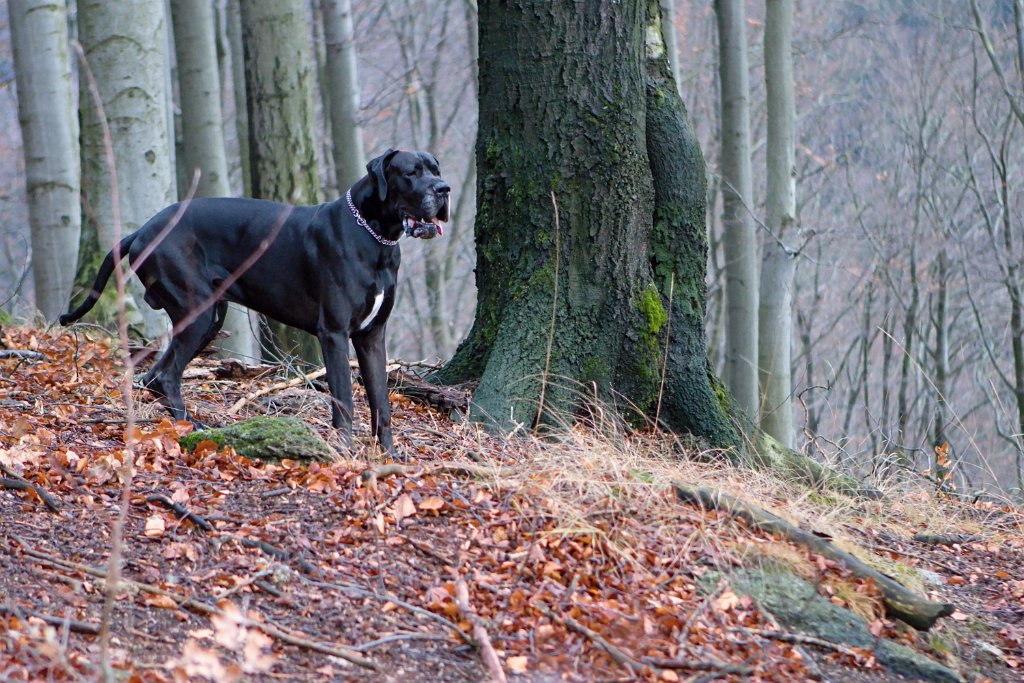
(621, 657)
(362, 592)
(442, 398)
(85, 627)
(800, 639)
(198, 606)
(255, 578)
(20, 354)
(483, 641)
(720, 668)
(180, 510)
(899, 602)
(280, 554)
(287, 384)
(15, 481)
(371, 476)
(946, 539)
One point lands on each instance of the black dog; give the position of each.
(328, 269)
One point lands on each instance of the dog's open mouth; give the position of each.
(424, 228)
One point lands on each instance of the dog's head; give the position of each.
(410, 182)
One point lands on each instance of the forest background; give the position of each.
(908, 334)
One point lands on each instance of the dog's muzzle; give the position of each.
(434, 210)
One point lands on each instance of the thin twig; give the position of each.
(86, 627)
(180, 510)
(295, 381)
(554, 314)
(16, 481)
(621, 657)
(668, 340)
(383, 597)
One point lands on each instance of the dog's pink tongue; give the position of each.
(437, 221)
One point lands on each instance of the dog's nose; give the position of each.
(442, 188)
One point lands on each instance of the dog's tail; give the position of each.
(106, 268)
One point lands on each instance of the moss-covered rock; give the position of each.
(267, 438)
(796, 604)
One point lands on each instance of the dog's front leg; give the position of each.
(372, 366)
(334, 346)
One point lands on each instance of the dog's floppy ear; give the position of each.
(377, 169)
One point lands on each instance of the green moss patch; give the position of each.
(271, 439)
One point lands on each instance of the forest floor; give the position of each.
(576, 558)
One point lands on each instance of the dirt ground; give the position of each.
(241, 570)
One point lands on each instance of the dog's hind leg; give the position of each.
(164, 380)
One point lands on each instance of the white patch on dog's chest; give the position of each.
(377, 301)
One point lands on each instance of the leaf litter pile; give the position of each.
(479, 558)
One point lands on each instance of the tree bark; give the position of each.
(740, 239)
(671, 40)
(202, 124)
(565, 193)
(775, 315)
(279, 83)
(343, 87)
(233, 21)
(49, 130)
(125, 47)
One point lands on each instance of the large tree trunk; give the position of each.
(202, 123)
(49, 131)
(282, 152)
(562, 292)
(125, 47)
(775, 318)
(571, 220)
(343, 86)
(740, 239)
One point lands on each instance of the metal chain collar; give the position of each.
(362, 221)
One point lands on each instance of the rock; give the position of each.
(798, 607)
(271, 439)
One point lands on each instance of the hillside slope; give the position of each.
(573, 555)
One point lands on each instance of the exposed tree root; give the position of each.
(899, 602)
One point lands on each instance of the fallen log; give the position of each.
(442, 398)
(899, 602)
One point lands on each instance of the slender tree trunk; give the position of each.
(279, 83)
(903, 407)
(233, 20)
(202, 123)
(668, 33)
(775, 319)
(940, 355)
(343, 91)
(46, 110)
(740, 239)
(125, 46)
(776, 334)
